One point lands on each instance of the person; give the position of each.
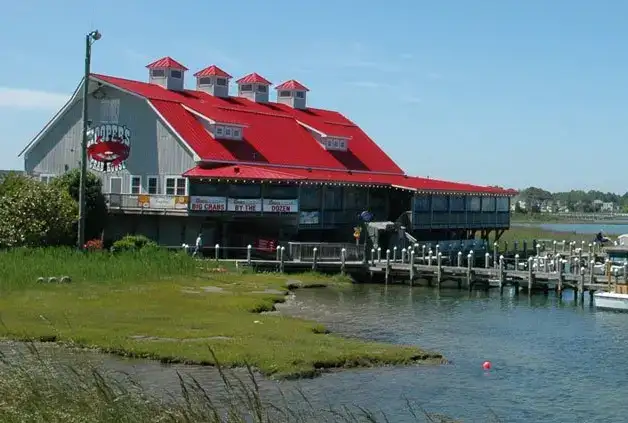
(601, 238)
(198, 245)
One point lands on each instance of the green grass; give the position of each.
(40, 387)
(170, 307)
(523, 233)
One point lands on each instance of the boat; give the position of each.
(616, 298)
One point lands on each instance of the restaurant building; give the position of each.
(240, 167)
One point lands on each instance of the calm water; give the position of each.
(615, 228)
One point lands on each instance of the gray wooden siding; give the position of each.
(155, 151)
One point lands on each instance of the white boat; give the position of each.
(611, 301)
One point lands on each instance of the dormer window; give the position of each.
(254, 87)
(246, 87)
(285, 94)
(205, 81)
(335, 143)
(167, 73)
(262, 89)
(221, 81)
(227, 132)
(299, 94)
(213, 80)
(292, 93)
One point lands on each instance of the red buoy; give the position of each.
(486, 365)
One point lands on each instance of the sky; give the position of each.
(495, 92)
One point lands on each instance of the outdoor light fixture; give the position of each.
(89, 40)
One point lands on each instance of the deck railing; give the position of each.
(325, 251)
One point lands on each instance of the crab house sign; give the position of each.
(108, 147)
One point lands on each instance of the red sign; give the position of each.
(108, 147)
(266, 245)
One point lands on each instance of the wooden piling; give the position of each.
(387, 275)
(530, 275)
(411, 267)
(343, 261)
(469, 271)
(561, 278)
(501, 275)
(581, 286)
(439, 270)
(314, 259)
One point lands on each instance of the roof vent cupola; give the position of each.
(168, 73)
(213, 80)
(292, 93)
(254, 87)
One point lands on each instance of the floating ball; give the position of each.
(486, 365)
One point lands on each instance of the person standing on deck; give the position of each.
(198, 245)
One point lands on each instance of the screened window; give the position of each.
(355, 198)
(246, 87)
(299, 94)
(245, 191)
(503, 204)
(456, 203)
(377, 198)
(474, 204)
(333, 198)
(422, 203)
(175, 186)
(208, 190)
(281, 191)
(153, 185)
(440, 203)
(310, 197)
(205, 80)
(488, 204)
(136, 185)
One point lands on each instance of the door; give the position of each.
(115, 191)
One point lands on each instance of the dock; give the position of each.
(557, 269)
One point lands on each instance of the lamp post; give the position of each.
(89, 40)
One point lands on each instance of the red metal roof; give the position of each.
(274, 137)
(253, 78)
(212, 70)
(291, 85)
(166, 62)
(344, 177)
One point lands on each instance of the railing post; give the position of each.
(372, 256)
(515, 245)
(248, 253)
(564, 246)
(387, 265)
(437, 250)
(591, 276)
(555, 247)
(530, 275)
(411, 266)
(516, 261)
(538, 249)
(314, 258)
(403, 256)
(217, 252)
(394, 254)
(469, 271)
(472, 258)
(379, 254)
(343, 258)
(423, 248)
(487, 260)
(495, 254)
(581, 286)
(439, 268)
(279, 252)
(282, 254)
(501, 273)
(572, 245)
(459, 259)
(429, 258)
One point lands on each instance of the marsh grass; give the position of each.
(526, 233)
(39, 387)
(169, 307)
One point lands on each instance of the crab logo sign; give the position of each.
(108, 147)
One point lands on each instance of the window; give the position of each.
(208, 190)
(237, 132)
(176, 73)
(221, 81)
(378, 198)
(246, 87)
(355, 198)
(245, 191)
(343, 144)
(440, 203)
(281, 191)
(262, 88)
(46, 179)
(176, 186)
(473, 204)
(488, 204)
(109, 110)
(284, 94)
(299, 94)
(205, 80)
(158, 73)
(456, 203)
(227, 131)
(333, 198)
(422, 203)
(310, 197)
(136, 184)
(335, 143)
(153, 185)
(503, 204)
(220, 130)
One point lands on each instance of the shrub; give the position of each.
(94, 245)
(134, 243)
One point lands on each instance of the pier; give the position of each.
(560, 267)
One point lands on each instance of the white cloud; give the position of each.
(25, 99)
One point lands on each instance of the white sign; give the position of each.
(308, 218)
(208, 203)
(244, 204)
(280, 206)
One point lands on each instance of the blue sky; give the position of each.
(515, 93)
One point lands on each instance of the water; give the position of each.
(552, 361)
(615, 228)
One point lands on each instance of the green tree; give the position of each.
(95, 202)
(34, 214)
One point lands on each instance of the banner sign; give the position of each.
(208, 203)
(280, 206)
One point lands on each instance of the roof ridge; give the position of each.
(256, 112)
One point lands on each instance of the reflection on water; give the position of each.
(553, 361)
